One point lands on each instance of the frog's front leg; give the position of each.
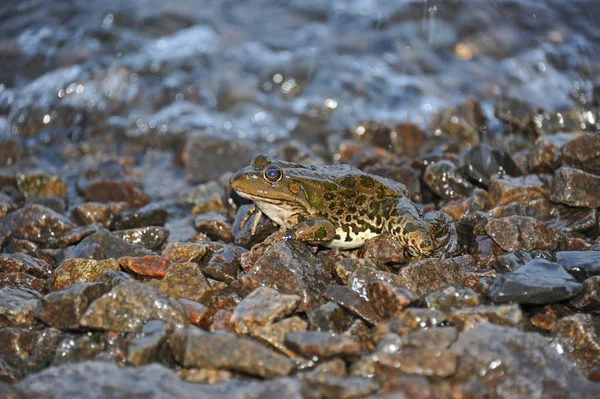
(316, 231)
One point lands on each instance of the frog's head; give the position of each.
(280, 189)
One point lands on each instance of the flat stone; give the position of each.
(589, 299)
(390, 300)
(75, 270)
(20, 262)
(149, 237)
(428, 362)
(504, 315)
(148, 266)
(329, 317)
(17, 306)
(214, 225)
(113, 246)
(147, 347)
(262, 307)
(290, 268)
(353, 302)
(185, 280)
(224, 265)
(581, 264)
(339, 387)
(73, 236)
(412, 319)
(24, 280)
(130, 305)
(186, 252)
(445, 180)
(150, 215)
(318, 345)
(37, 223)
(521, 233)
(193, 347)
(274, 334)
(452, 297)
(508, 189)
(63, 309)
(364, 274)
(575, 187)
(580, 334)
(538, 282)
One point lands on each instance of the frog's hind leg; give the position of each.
(317, 232)
(443, 232)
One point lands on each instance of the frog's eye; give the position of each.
(272, 174)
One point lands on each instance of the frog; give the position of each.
(339, 206)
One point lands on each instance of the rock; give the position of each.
(504, 190)
(108, 182)
(319, 345)
(17, 306)
(580, 335)
(63, 309)
(13, 369)
(113, 278)
(274, 334)
(582, 152)
(37, 223)
(412, 319)
(197, 313)
(224, 265)
(148, 266)
(390, 300)
(205, 376)
(186, 252)
(575, 187)
(451, 298)
(429, 275)
(504, 315)
(113, 246)
(214, 225)
(382, 250)
(444, 179)
(462, 122)
(97, 212)
(521, 233)
(290, 268)
(542, 157)
(20, 262)
(222, 154)
(329, 317)
(505, 362)
(193, 347)
(589, 299)
(365, 273)
(74, 236)
(151, 345)
(483, 162)
(185, 280)
(329, 386)
(130, 305)
(7, 204)
(150, 237)
(428, 362)
(581, 264)
(75, 270)
(353, 302)
(537, 282)
(17, 341)
(262, 307)
(10, 151)
(547, 316)
(150, 215)
(207, 197)
(40, 184)
(243, 233)
(23, 280)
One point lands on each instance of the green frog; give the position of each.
(339, 206)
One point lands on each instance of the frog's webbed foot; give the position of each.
(257, 214)
(319, 231)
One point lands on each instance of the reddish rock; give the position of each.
(148, 266)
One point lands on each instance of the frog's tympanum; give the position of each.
(338, 206)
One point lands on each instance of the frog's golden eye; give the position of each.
(272, 174)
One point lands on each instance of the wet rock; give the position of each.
(444, 179)
(113, 278)
(589, 299)
(214, 225)
(75, 270)
(373, 133)
(108, 182)
(74, 236)
(113, 246)
(20, 262)
(322, 345)
(63, 309)
(17, 306)
(483, 162)
(429, 275)
(517, 114)
(521, 233)
(262, 307)
(333, 367)
(581, 264)
(505, 315)
(462, 122)
(186, 252)
(33, 184)
(7, 204)
(223, 155)
(390, 300)
(353, 302)
(97, 212)
(197, 313)
(538, 282)
(575, 187)
(329, 386)
(580, 334)
(185, 280)
(150, 237)
(151, 345)
(207, 197)
(243, 233)
(290, 268)
(365, 273)
(547, 316)
(143, 217)
(224, 265)
(508, 189)
(130, 305)
(24, 280)
(193, 347)
(451, 298)
(37, 223)
(506, 362)
(10, 151)
(329, 317)
(547, 147)
(274, 334)
(205, 376)
(428, 362)
(382, 250)
(149, 265)
(582, 152)
(13, 369)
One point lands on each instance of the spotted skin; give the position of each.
(338, 206)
